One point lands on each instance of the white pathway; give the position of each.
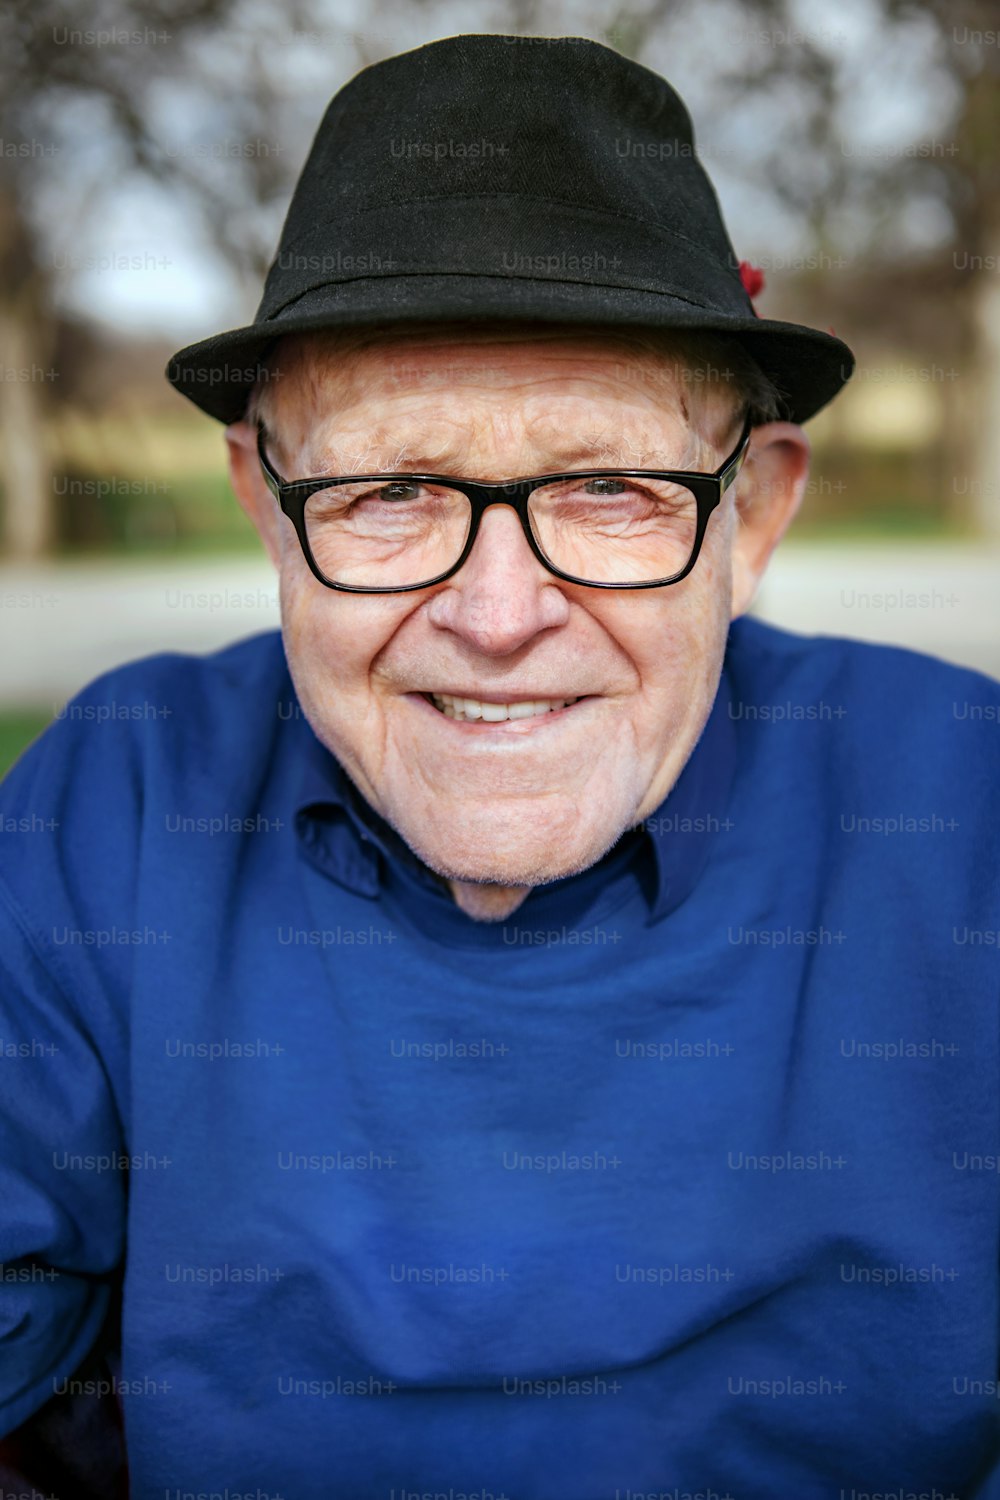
(62, 624)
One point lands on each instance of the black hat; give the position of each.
(507, 177)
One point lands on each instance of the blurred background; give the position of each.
(147, 155)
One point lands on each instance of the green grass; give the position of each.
(858, 497)
(198, 515)
(877, 525)
(17, 730)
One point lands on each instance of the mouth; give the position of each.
(485, 711)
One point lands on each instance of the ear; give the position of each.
(769, 491)
(251, 491)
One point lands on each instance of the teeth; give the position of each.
(466, 709)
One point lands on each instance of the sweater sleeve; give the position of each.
(62, 1183)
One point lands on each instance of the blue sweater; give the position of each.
(682, 1180)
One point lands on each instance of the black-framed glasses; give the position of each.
(600, 528)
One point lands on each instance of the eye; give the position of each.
(607, 486)
(399, 489)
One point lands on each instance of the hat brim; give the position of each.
(806, 366)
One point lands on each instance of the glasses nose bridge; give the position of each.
(511, 492)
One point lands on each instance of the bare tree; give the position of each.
(55, 70)
(204, 71)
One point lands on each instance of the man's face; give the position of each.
(525, 800)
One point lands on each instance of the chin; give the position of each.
(514, 855)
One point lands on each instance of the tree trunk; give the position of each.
(984, 497)
(28, 510)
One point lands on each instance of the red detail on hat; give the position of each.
(752, 278)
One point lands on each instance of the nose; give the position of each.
(502, 596)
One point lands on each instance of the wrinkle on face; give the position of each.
(515, 812)
(325, 371)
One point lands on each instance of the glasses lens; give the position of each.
(615, 528)
(386, 533)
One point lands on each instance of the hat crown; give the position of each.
(543, 111)
(509, 125)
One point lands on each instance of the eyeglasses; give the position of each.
(600, 528)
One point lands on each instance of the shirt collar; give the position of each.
(346, 838)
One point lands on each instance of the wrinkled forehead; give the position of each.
(625, 397)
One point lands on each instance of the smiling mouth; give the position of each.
(469, 710)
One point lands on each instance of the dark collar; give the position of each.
(346, 837)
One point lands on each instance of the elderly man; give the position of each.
(529, 1030)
